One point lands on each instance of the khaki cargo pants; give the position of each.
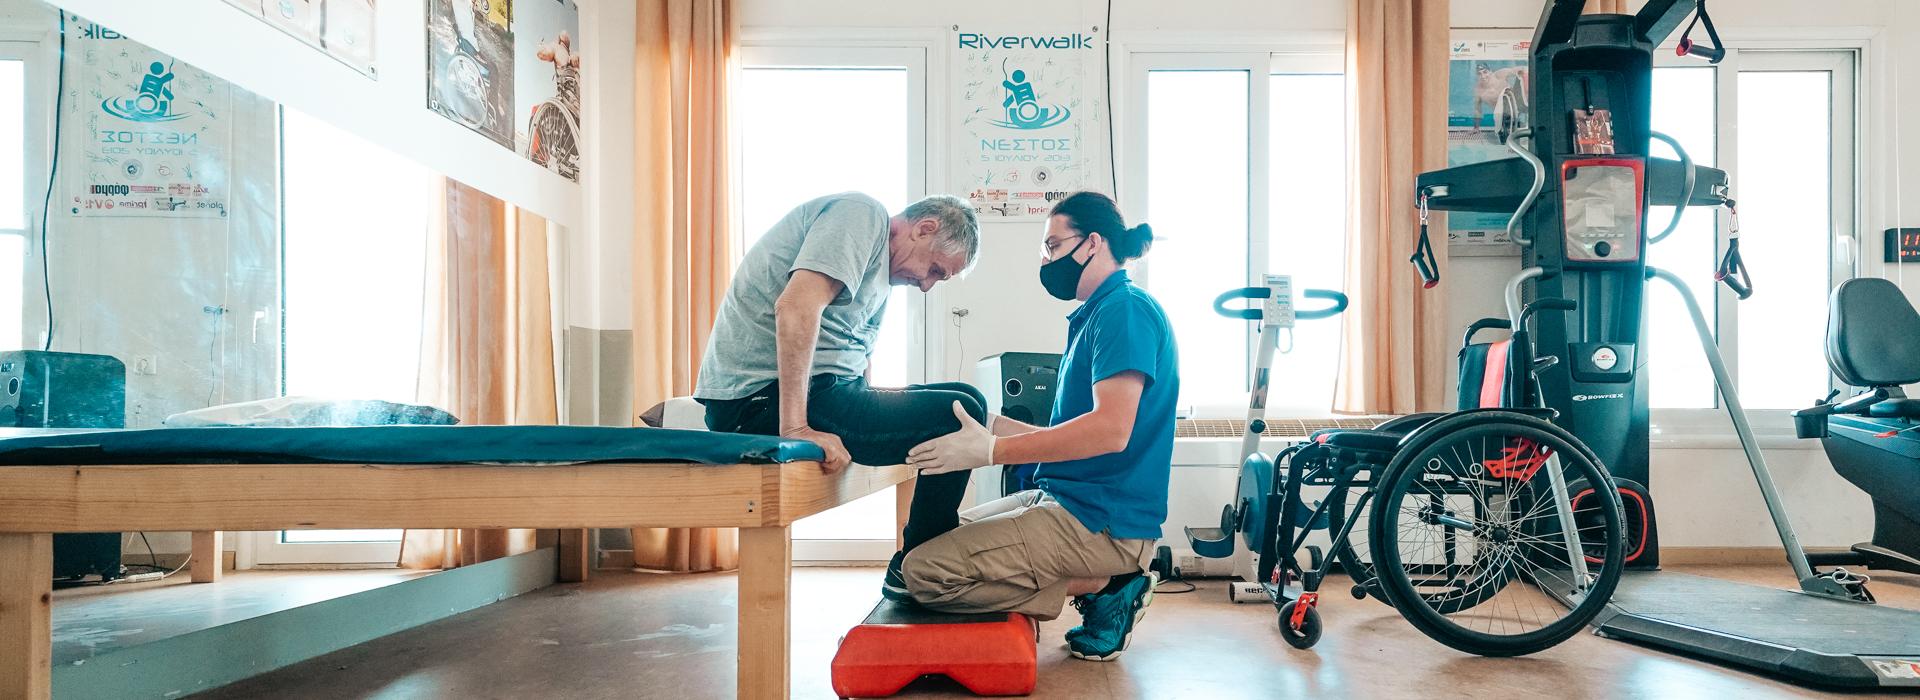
(1016, 554)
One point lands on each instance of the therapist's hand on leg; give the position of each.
(970, 447)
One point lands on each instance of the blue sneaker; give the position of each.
(1108, 618)
(894, 586)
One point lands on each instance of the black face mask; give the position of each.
(1062, 276)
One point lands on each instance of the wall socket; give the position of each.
(146, 364)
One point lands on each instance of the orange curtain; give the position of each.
(486, 353)
(1394, 358)
(1606, 7)
(682, 258)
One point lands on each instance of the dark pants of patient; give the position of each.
(878, 426)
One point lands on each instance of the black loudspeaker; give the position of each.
(68, 390)
(1020, 385)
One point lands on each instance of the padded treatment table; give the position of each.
(205, 480)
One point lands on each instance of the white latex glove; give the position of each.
(970, 447)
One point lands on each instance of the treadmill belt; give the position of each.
(1804, 636)
(1773, 615)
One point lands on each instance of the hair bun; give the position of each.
(1143, 233)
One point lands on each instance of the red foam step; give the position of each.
(990, 654)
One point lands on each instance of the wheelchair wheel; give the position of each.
(1467, 538)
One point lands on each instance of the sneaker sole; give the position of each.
(1126, 640)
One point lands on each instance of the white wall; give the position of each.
(390, 111)
(1700, 478)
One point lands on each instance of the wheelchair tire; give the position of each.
(1498, 461)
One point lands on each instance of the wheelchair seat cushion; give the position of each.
(1372, 440)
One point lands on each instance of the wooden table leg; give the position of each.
(574, 555)
(766, 572)
(207, 557)
(26, 616)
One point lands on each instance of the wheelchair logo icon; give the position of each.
(153, 104)
(1024, 110)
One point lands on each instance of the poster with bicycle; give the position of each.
(155, 132)
(1025, 113)
(1481, 69)
(470, 65)
(342, 29)
(546, 90)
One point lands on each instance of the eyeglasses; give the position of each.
(1052, 245)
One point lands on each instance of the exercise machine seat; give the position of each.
(1895, 408)
(989, 654)
(1870, 334)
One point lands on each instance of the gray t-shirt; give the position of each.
(842, 236)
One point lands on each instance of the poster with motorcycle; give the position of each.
(155, 132)
(546, 89)
(470, 65)
(342, 29)
(1025, 112)
(1482, 68)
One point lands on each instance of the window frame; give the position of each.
(1260, 62)
(1677, 427)
(922, 58)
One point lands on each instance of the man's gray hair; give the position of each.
(959, 230)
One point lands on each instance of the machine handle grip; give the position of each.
(1252, 313)
(1339, 304)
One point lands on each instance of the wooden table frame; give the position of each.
(762, 500)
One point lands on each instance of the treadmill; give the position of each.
(1581, 157)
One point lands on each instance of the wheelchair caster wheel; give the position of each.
(1359, 592)
(1309, 632)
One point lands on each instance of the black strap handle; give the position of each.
(1733, 271)
(1423, 260)
(1252, 313)
(1688, 47)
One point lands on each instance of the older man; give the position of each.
(789, 351)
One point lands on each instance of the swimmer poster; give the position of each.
(154, 132)
(1481, 69)
(1028, 104)
(342, 29)
(546, 91)
(470, 64)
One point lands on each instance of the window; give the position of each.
(1243, 175)
(795, 144)
(369, 320)
(1791, 165)
(22, 178)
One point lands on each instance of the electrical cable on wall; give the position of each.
(46, 204)
(1113, 167)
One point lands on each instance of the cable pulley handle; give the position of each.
(1423, 259)
(1688, 47)
(1252, 313)
(1733, 271)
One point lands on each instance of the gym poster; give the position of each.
(1025, 115)
(1476, 75)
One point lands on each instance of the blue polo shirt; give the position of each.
(1119, 328)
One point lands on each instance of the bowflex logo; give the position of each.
(1597, 397)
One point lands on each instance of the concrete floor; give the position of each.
(635, 635)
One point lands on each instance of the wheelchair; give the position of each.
(1464, 522)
